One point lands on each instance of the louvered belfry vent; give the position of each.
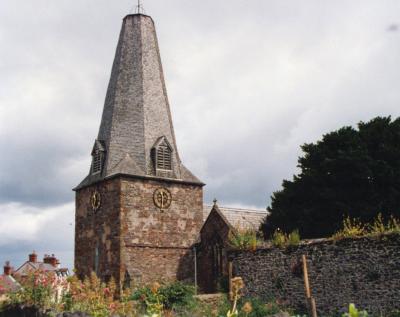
(96, 162)
(164, 160)
(162, 155)
(97, 157)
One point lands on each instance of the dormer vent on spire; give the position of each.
(162, 154)
(98, 154)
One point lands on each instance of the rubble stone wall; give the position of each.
(158, 244)
(363, 271)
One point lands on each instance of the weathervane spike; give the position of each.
(139, 7)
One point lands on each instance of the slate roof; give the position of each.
(8, 283)
(28, 266)
(136, 111)
(239, 217)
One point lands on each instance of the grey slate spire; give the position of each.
(136, 117)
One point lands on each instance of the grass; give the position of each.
(354, 228)
(282, 240)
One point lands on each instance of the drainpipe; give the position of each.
(195, 268)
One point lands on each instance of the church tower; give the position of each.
(139, 211)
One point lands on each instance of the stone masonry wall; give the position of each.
(99, 229)
(214, 236)
(157, 244)
(364, 271)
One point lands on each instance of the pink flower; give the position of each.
(107, 291)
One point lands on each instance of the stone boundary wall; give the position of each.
(363, 271)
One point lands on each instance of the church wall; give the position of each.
(214, 232)
(99, 229)
(159, 243)
(148, 264)
(363, 271)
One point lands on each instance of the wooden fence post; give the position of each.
(310, 300)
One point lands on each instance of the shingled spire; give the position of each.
(136, 135)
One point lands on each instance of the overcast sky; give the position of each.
(249, 81)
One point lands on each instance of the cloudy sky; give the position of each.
(249, 81)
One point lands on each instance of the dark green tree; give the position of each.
(350, 172)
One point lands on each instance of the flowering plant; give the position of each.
(39, 289)
(97, 298)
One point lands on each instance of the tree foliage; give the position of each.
(349, 173)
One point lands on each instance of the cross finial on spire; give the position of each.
(139, 7)
(215, 201)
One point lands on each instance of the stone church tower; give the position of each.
(139, 211)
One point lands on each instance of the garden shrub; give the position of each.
(39, 290)
(96, 298)
(44, 292)
(260, 308)
(176, 296)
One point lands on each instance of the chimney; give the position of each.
(7, 268)
(50, 259)
(33, 257)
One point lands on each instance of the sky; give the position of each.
(248, 81)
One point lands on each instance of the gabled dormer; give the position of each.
(98, 156)
(161, 154)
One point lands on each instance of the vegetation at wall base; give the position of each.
(93, 298)
(175, 297)
(354, 312)
(351, 171)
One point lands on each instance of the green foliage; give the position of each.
(46, 292)
(354, 312)
(250, 307)
(355, 171)
(261, 309)
(379, 226)
(96, 298)
(279, 239)
(150, 298)
(294, 238)
(39, 289)
(176, 296)
(243, 239)
(353, 228)
(282, 240)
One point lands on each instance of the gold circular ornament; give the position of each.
(95, 201)
(162, 198)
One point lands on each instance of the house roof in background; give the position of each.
(9, 283)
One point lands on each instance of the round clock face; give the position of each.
(162, 198)
(95, 201)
